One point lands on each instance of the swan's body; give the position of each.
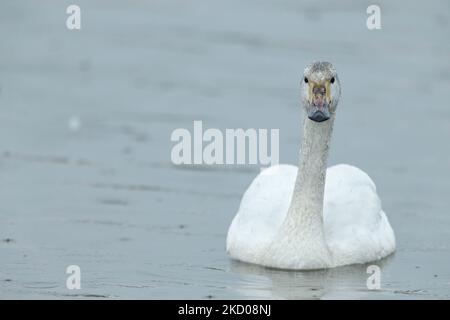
(294, 218)
(355, 227)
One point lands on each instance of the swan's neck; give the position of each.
(306, 209)
(300, 242)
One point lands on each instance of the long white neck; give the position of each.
(306, 209)
(300, 242)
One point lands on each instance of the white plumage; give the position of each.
(355, 227)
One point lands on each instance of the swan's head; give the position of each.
(320, 90)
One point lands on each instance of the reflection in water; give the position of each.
(265, 283)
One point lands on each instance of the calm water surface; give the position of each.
(86, 118)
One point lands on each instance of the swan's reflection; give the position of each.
(336, 283)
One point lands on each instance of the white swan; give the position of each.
(293, 218)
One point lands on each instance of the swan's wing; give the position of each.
(261, 212)
(356, 227)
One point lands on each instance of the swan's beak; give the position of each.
(319, 116)
(319, 102)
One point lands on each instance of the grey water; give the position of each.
(86, 117)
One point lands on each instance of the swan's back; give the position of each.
(261, 212)
(356, 228)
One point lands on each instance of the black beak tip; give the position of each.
(318, 116)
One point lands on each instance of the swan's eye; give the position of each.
(332, 80)
(306, 80)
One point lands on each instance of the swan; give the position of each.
(311, 217)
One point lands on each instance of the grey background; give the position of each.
(107, 198)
